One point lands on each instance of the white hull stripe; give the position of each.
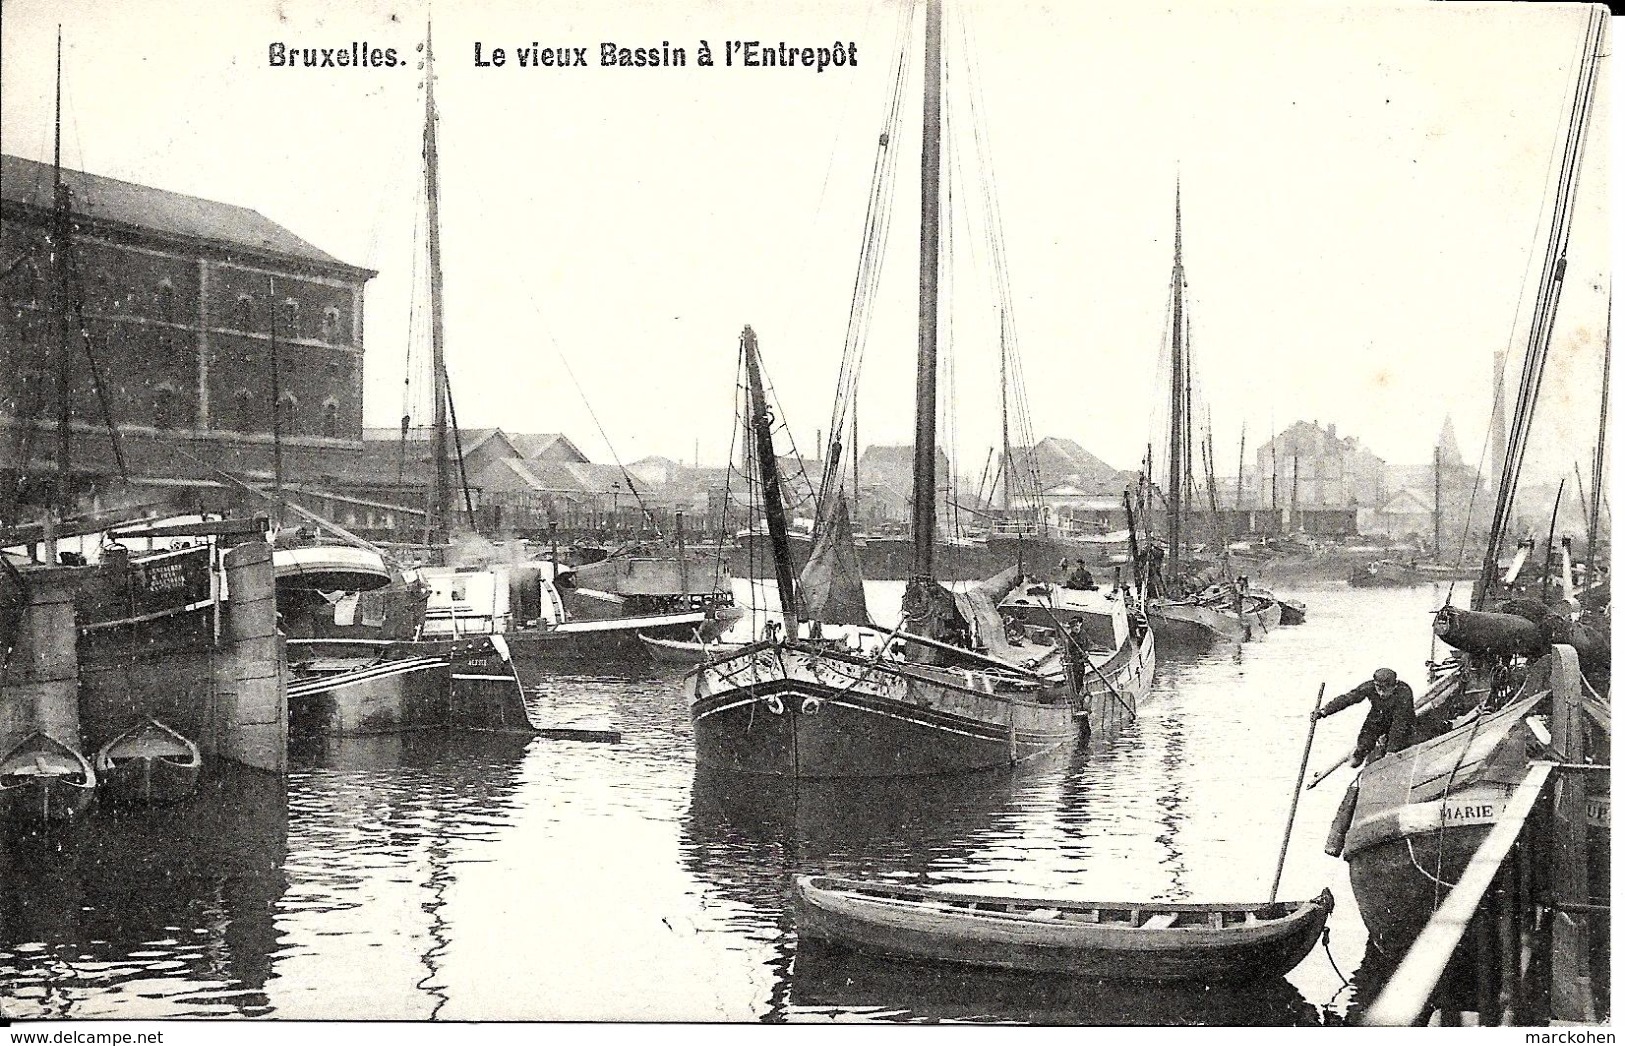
(884, 714)
(154, 616)
(324, 684)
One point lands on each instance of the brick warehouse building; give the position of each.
(177, 299)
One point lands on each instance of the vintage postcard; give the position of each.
(891, 511)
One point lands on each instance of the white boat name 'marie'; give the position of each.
(1472, 811)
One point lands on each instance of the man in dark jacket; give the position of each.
(1391, 719)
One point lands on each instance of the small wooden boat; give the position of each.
(149, 763)
(42, 779)
(681, 652)
(1212, 943)
(1386, 573)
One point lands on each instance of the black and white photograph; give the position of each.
(713, 512)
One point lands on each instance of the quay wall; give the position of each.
(39, 687)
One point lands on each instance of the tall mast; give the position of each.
(1602, 440)
(59, 264)
(440, 506)
(1177, 437)
(925, 379)
(1004, 409)
(276, 409)
(1438, 503)
(854, 455)
(1275, 469)
(1554, 264)
(1241, 465)
(767, 464)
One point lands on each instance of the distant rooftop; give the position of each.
(142, 207)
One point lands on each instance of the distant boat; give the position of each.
(522, 604)
(42, 779)
(1178, 615)
(149, 763)
(1386, 573)
(1131, 941)
(681, 652)
(1200, 619)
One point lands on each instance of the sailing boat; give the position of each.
(1412, 819)
(1217, 611)
(362, 645)
(943, 692)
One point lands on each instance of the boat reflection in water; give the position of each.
(746, 838)
(146, 911)
(842, 983)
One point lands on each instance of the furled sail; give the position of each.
(832, 581)
(979, 604)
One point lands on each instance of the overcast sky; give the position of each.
(1365, 187)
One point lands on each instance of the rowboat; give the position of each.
(149, 763)
(1211, 943)
(42, 779)
(680, 652)
(828, 977)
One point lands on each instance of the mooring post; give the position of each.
(42, 676)
(1571, 870)
(1484, 966)
(1510, 952)
(250, 715)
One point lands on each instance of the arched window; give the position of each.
(288, 321)
(330, 418)
(287, 412)
(242, 411)
(245, 312)
(330, 325)
(166, 407)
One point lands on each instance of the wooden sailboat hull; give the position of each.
(149, 764)
(345, 688)
(609, 640)
(1182, 624)
(1421, 813)
(43, 780)
(1150, 942)
(795, 710)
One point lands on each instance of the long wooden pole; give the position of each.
(1597, 455)
(1297, 790)
(925, 378)
(440, 510)
(1178, 441)
(276, 408)
(767, 463)
(1551, 535)
(63, 499)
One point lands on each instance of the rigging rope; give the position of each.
(866, 281)
(1553, 266)
(1024, 434)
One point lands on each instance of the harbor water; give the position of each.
(427, 875)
